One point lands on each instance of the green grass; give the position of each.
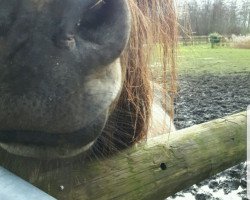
(220, 60)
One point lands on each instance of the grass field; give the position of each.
(220, 60)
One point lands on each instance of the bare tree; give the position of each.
(221, 16)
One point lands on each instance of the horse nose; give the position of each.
(98, 30)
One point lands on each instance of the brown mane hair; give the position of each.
(154, 26)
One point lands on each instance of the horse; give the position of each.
(75, 76)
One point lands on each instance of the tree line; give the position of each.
(202, 17)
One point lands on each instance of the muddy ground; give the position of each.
(203, 98)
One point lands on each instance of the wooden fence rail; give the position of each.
(153, 170)
(197, 40)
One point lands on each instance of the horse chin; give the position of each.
(45, 152)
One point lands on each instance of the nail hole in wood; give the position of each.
(163, 166)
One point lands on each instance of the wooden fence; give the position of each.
(153, 170)
(198, 40)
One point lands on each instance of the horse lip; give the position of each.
(80, 137)
(44, 145)
(43, 138)
(44, 152)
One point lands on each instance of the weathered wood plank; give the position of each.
(152, 170)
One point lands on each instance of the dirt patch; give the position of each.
(203, 98)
